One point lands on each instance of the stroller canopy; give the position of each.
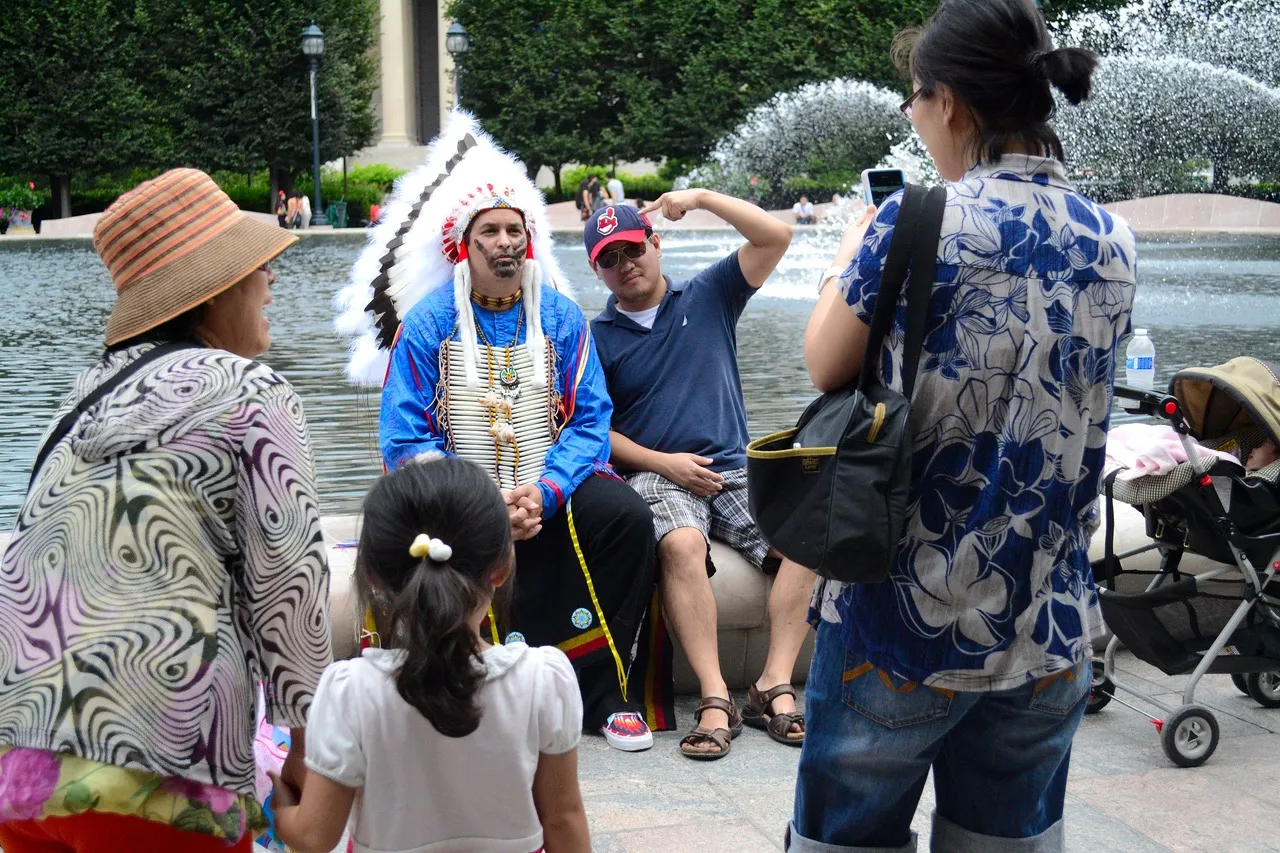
(1218, 401)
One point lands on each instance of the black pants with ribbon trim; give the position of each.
(586, 584)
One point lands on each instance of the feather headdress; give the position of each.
(418, 247)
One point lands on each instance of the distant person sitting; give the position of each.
(803, 209)
(614, 186)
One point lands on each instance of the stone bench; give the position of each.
(741, 592)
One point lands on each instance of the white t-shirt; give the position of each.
(643, 318)
(422, 792)
(805, 209)
(615, 189)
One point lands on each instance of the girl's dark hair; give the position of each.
(424, 606)
(997, 57)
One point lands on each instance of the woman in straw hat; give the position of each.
(168, 555)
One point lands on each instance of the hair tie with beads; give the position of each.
(424, 546)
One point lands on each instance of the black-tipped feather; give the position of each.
(386, 319)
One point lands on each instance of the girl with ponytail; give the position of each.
(452, 743)
(972, 659)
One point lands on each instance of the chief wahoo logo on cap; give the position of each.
(607, 222)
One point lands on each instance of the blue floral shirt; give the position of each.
(992, 586)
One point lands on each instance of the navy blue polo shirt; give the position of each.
(676, 387)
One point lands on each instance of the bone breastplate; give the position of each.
(504, 425)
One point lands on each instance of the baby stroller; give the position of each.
(1225, 620)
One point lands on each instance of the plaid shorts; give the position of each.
(723, 516)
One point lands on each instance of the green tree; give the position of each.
(239, 88)
(542, 80)
(95, 86)
(588, 81)
(70, 98)
(705, 64)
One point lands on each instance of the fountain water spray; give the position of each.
(839, 126)
(1159, 124)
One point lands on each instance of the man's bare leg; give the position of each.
(788, 626)
(691, 609)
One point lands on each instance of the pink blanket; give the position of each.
(1145, 450)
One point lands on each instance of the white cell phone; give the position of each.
(879, 184)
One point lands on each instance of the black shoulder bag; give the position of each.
(831, 494)
(114, 381)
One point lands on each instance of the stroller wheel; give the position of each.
(1100, 690)
(1264, 687)
(1189, 736)
(1241, 682)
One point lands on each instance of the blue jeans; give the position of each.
(999, 760)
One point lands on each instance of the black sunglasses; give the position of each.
(905, 106)
(634, 251)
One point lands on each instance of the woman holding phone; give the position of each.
(972, 660)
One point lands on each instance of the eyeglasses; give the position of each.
(634, 251)
(905, 106)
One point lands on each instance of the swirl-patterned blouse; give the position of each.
(168, 557)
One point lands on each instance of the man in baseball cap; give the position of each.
(679, 434)
(620, 223)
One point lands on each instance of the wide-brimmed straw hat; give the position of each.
(174, 242)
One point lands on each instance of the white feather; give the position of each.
(369, 362)
(419, 265)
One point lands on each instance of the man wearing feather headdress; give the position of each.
(498, 367)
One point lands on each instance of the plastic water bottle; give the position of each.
(1140, 361)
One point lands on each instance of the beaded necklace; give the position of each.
(496, 303)
(498, 399)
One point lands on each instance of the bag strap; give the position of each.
(892, 278)
(114, 381)
(1110, 562)
(924, 270)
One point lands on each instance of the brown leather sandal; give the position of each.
(758, 715)
(722, 738)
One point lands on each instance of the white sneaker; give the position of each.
(627, 731)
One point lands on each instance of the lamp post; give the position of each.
(457, 42)
(313, 48)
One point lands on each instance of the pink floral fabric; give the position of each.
(28, 778)
(36, 783)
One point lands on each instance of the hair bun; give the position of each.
(1069, 69)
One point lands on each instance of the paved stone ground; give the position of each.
(1124, 795)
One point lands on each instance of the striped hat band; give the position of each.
(159, 222)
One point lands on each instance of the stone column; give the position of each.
(397, 86)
